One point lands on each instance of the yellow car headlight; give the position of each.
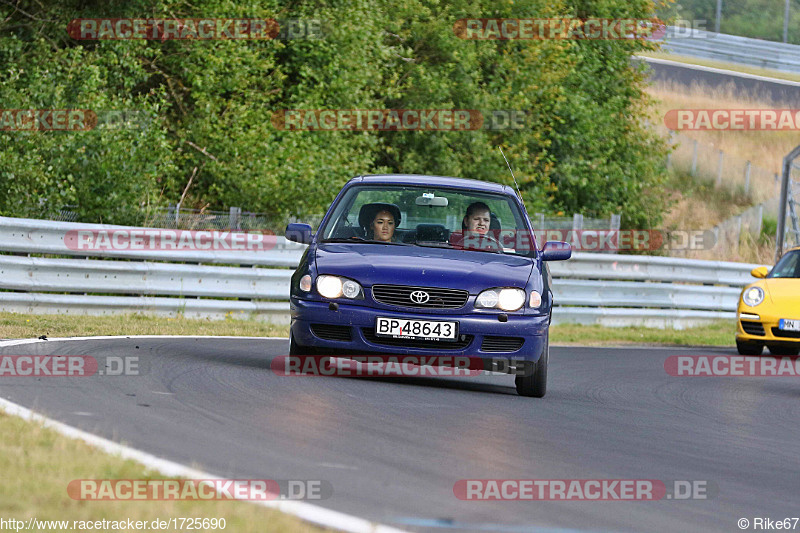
(753, 296)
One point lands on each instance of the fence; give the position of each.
(612, 290)
(704, 161)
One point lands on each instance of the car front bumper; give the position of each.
(527, 331)
(764, 330)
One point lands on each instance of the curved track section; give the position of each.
(393, 448)
(779, 92)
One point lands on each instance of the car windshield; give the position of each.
(787, 267)
(430, 217)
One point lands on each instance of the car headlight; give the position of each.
(336, 287)
(753, 296)
(507, 299)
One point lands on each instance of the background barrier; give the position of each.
(39, 273)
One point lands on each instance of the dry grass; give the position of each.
(38, 464)
(695, 203)
(764, 149)
(699, 205)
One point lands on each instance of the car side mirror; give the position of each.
(301, 233)
(556, 251)
(759, 272)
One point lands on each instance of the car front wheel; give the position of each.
(534, 384)
(749, 348)
(783, 350)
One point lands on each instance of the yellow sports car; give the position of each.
(769, 309)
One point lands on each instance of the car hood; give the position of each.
(371, 264)
(784, 291)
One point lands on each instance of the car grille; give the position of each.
(502, 344)
(400, 295)
(753, 328)
(787, 334)
(331, 333)
(462, 342)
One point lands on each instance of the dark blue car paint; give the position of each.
(424, 267)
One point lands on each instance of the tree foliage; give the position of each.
(585, 147)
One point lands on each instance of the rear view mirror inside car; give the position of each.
(431, 200)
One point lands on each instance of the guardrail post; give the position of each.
(719, 168)
(759, 221)
(577, 221)
(615, 222)
(694, 159)
(234, 218)
(747, 178)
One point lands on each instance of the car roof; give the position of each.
(436, 181)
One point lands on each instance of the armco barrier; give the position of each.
(609, 289)
(733, 49)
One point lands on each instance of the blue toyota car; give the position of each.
(426, 265)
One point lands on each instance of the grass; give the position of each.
(13, 325)
(697, 204)
(17, 326)
(768, 73)
(720, 333)
(38, 463)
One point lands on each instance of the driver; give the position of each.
(477, 219)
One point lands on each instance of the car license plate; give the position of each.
(401, 328)
(789, 325)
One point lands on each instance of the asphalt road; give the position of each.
(394, 448)
(778, 92)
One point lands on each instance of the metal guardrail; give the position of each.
(589, 288)
(733, 49)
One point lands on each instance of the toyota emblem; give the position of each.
(419, 297)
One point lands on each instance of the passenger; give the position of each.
(477, 219)
(379, 221)
(383, 226)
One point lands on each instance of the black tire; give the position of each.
(749, 348)
(324, 363)
(535, 384)
(783, 350)
(296, 349)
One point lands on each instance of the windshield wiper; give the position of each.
(434, 244)
(359, 240)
